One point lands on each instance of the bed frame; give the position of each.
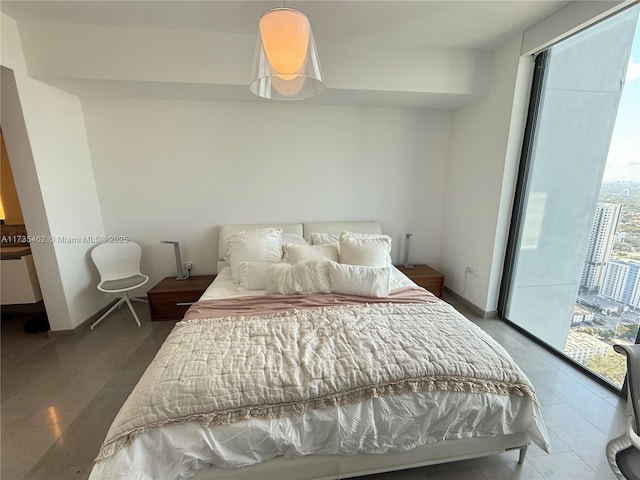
(326, 467)
(331, 467)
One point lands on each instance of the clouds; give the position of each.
(633, 70)
(623, 162)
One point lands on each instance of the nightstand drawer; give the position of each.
(426, 277)
(169, 310)
(170, 298)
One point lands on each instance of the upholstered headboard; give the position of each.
(338, 227)
(304, 229)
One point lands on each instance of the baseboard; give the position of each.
(85, 325)
(472, 307)
(37, 307)
(62, 333)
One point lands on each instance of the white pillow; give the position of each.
(253, 275)
(260, 245)
(359, 280)
(370, 250)
(288, 238)
(324, 238)
(311, 276)
(299, 253)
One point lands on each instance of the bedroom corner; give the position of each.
(44, 133)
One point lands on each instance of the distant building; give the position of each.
(582, 346)
(580, 315)
(601, 242)
(622, 282)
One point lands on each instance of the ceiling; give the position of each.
(463, 24)
(402, 26)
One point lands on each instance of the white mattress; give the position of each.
(378, 425)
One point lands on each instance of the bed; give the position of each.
(325, 363)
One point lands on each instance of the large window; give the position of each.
(572, 274)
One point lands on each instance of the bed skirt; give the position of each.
(331, 467)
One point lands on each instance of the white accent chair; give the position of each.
(119, 268)
(623, 452)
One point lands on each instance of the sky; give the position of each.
(623, 162)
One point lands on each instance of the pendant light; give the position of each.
(285, 63)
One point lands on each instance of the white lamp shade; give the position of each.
(285, 63)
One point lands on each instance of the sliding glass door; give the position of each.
(572, 274)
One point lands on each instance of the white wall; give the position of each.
(475, 177)
(49, 155)
(175, 170)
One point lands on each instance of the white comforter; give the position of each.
(375, 425)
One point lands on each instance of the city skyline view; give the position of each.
(607, 308)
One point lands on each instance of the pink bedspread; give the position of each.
(280, 303)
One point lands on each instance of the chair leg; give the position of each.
(613, 447)
(523, 454)
(120, 302)
(126, 299)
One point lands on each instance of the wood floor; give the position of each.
(59, 396)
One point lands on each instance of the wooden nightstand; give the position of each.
(170, 299)
(426, 277)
